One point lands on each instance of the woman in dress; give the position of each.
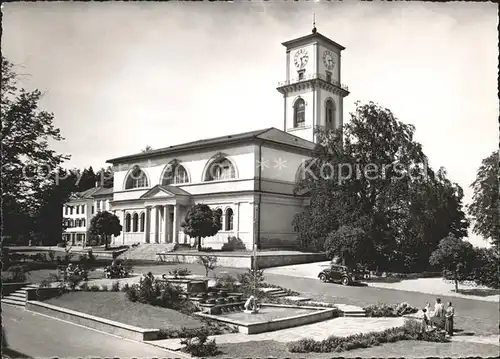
(448, 325)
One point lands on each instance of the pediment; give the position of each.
(159, 191)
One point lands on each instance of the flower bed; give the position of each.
(410, 331)
(389, 310)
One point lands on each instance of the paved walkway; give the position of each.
(436, 286)
(341, 327)
(480, 339)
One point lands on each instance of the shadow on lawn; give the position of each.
(479, 292)
(11, 353)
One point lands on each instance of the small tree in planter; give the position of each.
(105, 224)
(209, 262)
(200, 222)
(456, 257)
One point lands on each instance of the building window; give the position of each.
(78, 209)
(221, 169)
(70, 210)
(301, 75)
(229, 219)
(219, 213)
(328, 77)
(83, 223)
(83, 209)
(127, 222)
(135, 222)
(143, 219)
(299, 109)
(174, 174)
(329, 114)
(65, 210)
(136, 179)
(92, 209)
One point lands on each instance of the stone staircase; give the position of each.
(274, 292)
(147, 251)
(18, 297)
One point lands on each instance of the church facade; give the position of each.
(248, 177)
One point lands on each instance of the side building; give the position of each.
(80, 209)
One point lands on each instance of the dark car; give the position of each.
(337, 273)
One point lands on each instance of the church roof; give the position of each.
(271, 134)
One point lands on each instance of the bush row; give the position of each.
(412, 330)
(389, 310)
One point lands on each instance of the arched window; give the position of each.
(135, 222)
(219, 212)
(299, 112)
(221, 169)
(229, 219)
(136, 179)
(329, 114)
(127, 222)
(174, 174)
(143, 218)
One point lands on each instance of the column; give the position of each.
(157, 227)
(122, 222)
(166, 224)
(147, 225)
(153, 221)
(176, 225)
(236, 219)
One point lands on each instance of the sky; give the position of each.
(119, 76)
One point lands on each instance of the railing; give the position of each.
(313, 77)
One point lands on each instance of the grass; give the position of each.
(268, 349)
(115, 306)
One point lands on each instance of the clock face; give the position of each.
(328, 60)
(301, 58)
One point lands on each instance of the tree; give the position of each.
(148, 148)
(105, 177)
(27, 160)
(201, 222)
(105, 224)
(372, 175)
(485, 206)
(486, 269)
(456, 257)
(349, 245)
(86, 179)
(209, 262)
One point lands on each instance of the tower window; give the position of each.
(301, 75)
(328, 77)
(299, 109)
(329, 113)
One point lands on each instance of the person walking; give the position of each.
(448, 324)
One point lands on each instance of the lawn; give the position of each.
(268, 349)
(115, 306)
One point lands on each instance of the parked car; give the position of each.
(361, 273)
(337, 273)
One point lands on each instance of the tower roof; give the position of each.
(308, 38)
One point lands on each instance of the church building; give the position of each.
(248, 177)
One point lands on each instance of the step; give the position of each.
(20, 291)
(270, 290)
(354, 315)
(13, 302)
(281, 295)
(17, 295)
(296, 298)
(274, 294)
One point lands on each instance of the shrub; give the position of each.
(115, 287)
(251, 278)
(17, 274)
(104, 288)
(61, 245)
(180, 272)
(227, 282)
(411, 330)
(51, 255)
(94, 288)
(209, 262)
(197, 344)
(84, 287)
(389, 310)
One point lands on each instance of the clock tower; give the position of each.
(312, 92)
